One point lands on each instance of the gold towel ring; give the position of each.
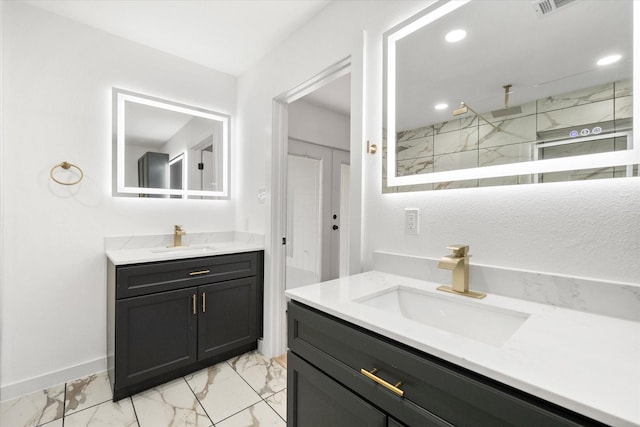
(66, 166)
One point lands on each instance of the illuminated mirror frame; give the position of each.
(438, 10)
(121, 96)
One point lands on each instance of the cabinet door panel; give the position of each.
(227, 318)
(315, 400)
(156, 335)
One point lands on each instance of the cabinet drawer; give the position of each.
(142, 279)
(454, 394)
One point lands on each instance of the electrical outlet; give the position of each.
(412, 221)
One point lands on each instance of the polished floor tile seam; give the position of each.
(135, 413)
(91, 391)
(198, 400)
(263, 399)
(65, 415)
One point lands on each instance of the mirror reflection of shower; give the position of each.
(205, 173)
(177, 176)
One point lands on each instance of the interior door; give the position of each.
(207, 174)
(316, 190)
(339, 240)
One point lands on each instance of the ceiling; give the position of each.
(150, 126)
(226, 35)
(335, 96)
(509, 43)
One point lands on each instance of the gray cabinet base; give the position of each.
(168, 319)
(436, 392)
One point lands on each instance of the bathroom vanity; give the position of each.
(167, 317)
(363, 350)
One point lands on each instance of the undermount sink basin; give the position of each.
(490, 325)
(182, 249)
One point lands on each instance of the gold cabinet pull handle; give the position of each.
(193, 303)
(371, 375)
(204, 302)
(197, 273)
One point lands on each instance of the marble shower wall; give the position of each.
(470, 141)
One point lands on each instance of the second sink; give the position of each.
(491, 325)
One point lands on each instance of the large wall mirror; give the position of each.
(488, 92)
(170, 150)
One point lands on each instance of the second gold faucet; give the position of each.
(458, 262)
(178, 232)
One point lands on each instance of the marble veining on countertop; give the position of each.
(586, 362)
(123, 250)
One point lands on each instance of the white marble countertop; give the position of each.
(164, 253)
(585, 362)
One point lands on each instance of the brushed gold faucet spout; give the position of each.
(458, 262)
(178, 232)
(460, 268)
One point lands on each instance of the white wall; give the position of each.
(589, 229)
(311, 123)
(57, 106)
(586, 229)
(582, 228)
(334, 34)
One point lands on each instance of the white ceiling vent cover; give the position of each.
(545, 7)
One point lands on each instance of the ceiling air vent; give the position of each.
(545, 7)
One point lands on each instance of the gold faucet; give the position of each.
(458, 262)
(178, 232)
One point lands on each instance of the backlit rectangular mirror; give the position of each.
(504, 92)
(167, 149)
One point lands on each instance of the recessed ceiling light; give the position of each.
(609, 59)
(455, 35)
(442, 106)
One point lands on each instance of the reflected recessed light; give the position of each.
(609, 59)
(441, 106)
(455, 36)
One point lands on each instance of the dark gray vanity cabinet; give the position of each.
(227, 318)
(156, 336)
(321, 401)
(326, 350)
(166, 319)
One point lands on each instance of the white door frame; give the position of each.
(277, 302)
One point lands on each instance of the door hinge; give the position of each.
(284, 240)
(200, 166)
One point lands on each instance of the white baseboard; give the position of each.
(11, 391)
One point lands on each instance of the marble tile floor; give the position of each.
(244, 391)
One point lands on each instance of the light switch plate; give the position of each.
(262, 194)
(412, 221)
